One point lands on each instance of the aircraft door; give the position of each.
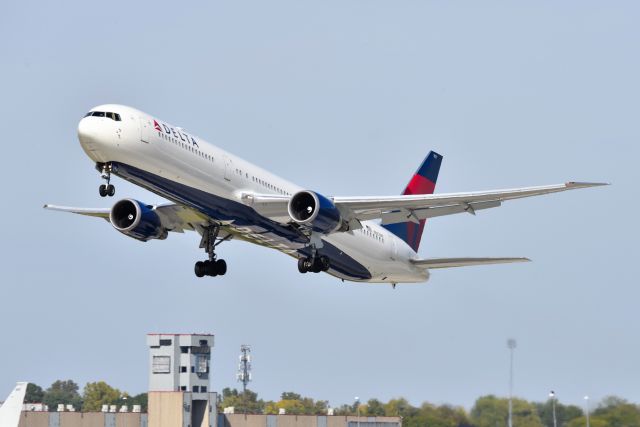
(146, 129)
(394, 248)
(228, 168)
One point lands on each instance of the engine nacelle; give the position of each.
(137, 220)
(315, 210)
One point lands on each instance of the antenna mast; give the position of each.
(244, 367)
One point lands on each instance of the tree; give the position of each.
(564, 413)
(374, 408)
(98, 394)
(617, 412)
(62, 392)
(399, 408)
(490, 411)
(139, 399)
(248, 403)
(34, 394)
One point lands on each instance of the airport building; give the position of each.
(180, 395)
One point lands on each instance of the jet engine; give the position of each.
(137, 220)
(314, 210)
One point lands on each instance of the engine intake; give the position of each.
(315, 210)
(137, 220)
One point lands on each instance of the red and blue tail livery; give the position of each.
(422, 182)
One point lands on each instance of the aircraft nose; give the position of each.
(86, 132)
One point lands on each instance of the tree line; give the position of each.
(93, 396)
(487, 411)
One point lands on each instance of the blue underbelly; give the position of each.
(241, 217)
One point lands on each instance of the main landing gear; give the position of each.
(106, 189)
(314, 264)
(211, 267)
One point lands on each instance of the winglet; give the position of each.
(573, 184)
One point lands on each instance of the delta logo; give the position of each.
(175, 133)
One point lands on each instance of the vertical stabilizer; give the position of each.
(12, 407)
(422, 182)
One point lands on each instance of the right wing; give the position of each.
(394, 209)
(463, 262)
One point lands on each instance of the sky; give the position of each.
(345, 98)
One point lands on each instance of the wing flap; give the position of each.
(463, 262)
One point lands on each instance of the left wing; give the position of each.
(173, 217)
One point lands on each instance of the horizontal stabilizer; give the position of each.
(463, 262)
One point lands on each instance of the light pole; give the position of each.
(358, 409)
(511, 344)
(552, 395)
(586, 403)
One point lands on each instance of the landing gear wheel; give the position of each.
(102, 190)
(111, 190)
(210, 268)
(325, 263)
(221, 267)
(199, 269)
(316, 265)
(301, 265)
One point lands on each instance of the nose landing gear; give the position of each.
(106, 189)
(211, 267)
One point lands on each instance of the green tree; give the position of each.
(248, 403)
(437, 416)
(374, 408)
(34, 394)
(564, 413)
(65, 392)
(399, 408)
(490, 411)
(617, 412)
(100, 393)
(139, 399)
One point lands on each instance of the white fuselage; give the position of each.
(183, 168)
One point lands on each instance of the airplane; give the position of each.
(12, 407)
(373, 239)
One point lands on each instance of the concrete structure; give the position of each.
(179, 387)
(240, 420)
(79, 419)
(101, 419)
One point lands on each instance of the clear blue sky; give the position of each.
(345, 97)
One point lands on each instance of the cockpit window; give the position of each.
(112, 116)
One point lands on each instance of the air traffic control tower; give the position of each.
(179, 389)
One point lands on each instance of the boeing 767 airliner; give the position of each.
(371, 239)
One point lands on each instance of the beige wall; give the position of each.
(78, 419)
(34, 419)
(297, 421)
(165, 409)
(126, 420)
